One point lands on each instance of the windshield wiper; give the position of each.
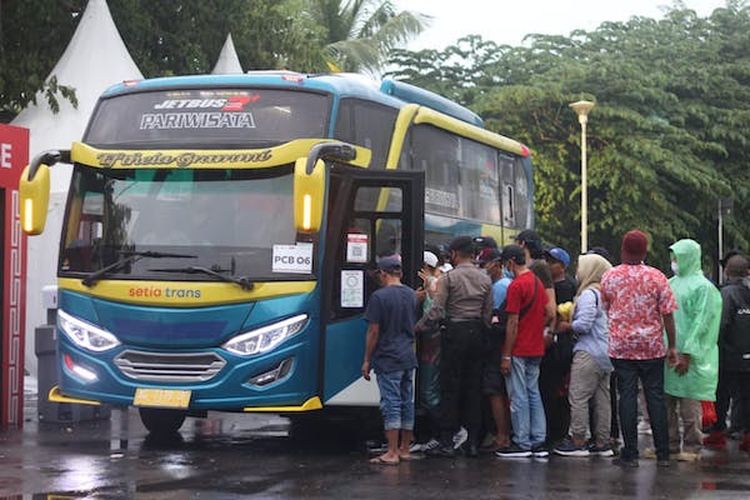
(131, 257)
(242, 281)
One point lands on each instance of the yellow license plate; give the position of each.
(161, 398)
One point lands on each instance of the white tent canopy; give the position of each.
(95, 58)
(228, 62)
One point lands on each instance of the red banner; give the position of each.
(14, 155)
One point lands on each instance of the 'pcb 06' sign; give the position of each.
(14, 155)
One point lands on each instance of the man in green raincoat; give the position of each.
(695, 375)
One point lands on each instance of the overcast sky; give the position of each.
(508, 21)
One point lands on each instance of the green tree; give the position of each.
(360, 34)
(668, 136)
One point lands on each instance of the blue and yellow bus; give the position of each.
(219, 231)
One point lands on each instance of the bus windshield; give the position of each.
(208, 118)
(228, 220)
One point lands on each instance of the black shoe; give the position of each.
(471, 450)
(623, 462)
(540, 451)
(663, 463)
(442, 451)
(513, 451)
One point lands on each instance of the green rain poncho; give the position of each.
(697, 321)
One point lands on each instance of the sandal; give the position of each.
(382, 461)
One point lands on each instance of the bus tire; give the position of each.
(160, 421)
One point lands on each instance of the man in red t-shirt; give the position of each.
(522, 354)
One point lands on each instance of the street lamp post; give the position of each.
(582, 109)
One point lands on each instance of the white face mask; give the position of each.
(675, 267)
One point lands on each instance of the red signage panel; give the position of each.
(14, 155)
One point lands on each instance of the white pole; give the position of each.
(584, 188)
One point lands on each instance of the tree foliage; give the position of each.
(667, 137)
(178, 37)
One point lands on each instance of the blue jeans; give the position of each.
(526, 409)
(397, 399)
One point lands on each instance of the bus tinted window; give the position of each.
(461, 175)
(436, 153)
(210, 117)
(367, 124)
(479, 182)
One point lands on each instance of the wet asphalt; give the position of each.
(246, 456)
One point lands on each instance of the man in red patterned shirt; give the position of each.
(640, 304)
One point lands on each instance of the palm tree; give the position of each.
(359, 34)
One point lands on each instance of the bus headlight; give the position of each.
(266, 338)
(85, 334)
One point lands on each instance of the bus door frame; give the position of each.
(347, 180)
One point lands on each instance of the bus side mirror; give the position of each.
(309, 191)
(34, 199)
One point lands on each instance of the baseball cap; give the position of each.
(462, 244)
(488, 255)
(601, 251)
(729, 255)
(430, 259)
(389, 263)
(485, 242)
(560, 255)
(514, 253)
(532, 240)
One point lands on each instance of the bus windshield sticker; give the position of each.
(357, 248)
(352, 289)
(294, 259)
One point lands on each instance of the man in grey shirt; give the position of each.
(464, 302)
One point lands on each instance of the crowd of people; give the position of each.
(517, 358)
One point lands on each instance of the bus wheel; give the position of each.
(162, 422)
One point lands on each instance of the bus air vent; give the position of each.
(170, 367)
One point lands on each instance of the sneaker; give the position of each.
(442, 451)
(460, 438)
(540, 451)
(569, 449)
(601, 451)
(716, 440)
(688, 456)
(649, 454)
(622, 462)
(513, 451)
(424, 447)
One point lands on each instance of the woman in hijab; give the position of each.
(590, 374)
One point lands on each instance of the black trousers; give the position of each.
(461, 366)
(651, 374)
(552, 373)
(729, 384)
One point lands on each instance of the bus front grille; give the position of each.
(169, 367)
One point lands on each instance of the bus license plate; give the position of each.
(161, 398)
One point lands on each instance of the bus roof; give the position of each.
(390, 92)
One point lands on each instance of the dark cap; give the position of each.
(514, 253)
(634, 247)
(531, 239)
(485, 242)
(729, 255)
(462, 244)
(601, 251)
(489, 255)
(389, 263)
